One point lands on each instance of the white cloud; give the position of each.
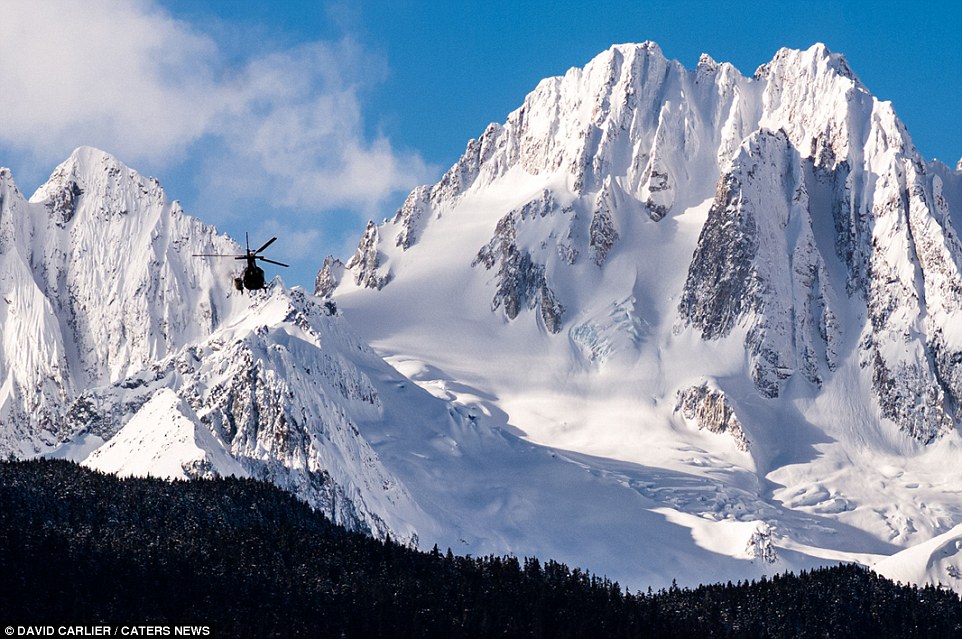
(119, 74)
(285, 127)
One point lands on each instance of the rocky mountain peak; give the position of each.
(814, 61)
(102, 176)
(809, 199)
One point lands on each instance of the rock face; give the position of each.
(912, 287)
(757, 262)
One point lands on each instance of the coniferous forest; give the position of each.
(249, 560)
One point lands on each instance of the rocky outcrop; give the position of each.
(602, 233)
(329, 276)
(657, 190)
(411, 216)
(760, 544)
(520, 281)
(709, 409)
(366, 261)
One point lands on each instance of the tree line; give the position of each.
(250, 560)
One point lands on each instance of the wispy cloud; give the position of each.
(294, 128)
(297, 243)
(285, 126)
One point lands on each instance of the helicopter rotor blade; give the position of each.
(249, 255)
(217, 255)
(266, 244)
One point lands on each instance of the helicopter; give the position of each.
(252, 277)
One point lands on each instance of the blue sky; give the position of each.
(303, 118)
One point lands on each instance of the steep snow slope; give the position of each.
(160, 440)
(750, 285)
(934, 562)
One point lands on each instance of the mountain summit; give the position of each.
(97, 283)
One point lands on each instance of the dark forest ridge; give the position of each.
(78, 546)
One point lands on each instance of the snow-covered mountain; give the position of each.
(660, 324)
(743, 291)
